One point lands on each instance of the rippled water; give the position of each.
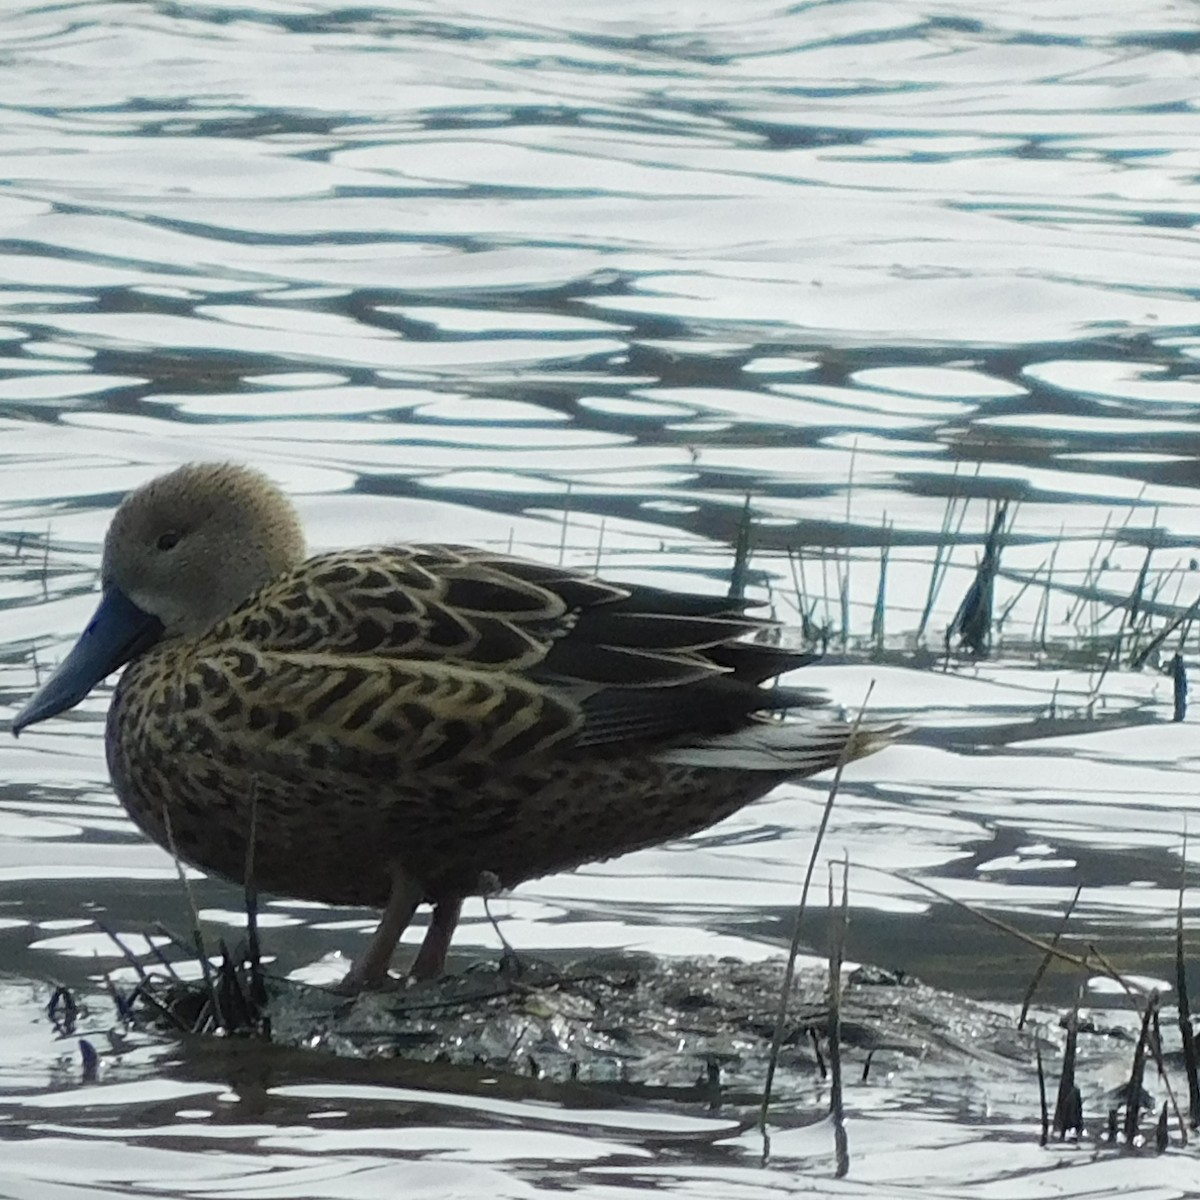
(577, 280)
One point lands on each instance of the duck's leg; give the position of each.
(370, 970)
(430, 962)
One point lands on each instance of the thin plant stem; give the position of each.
(789, 973)
(197, 937)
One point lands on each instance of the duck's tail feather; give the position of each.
(713, 707)
(786, 747)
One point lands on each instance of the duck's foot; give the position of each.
(430, 962)
(370, 970)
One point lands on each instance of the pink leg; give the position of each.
(430, 962)
(370, 971)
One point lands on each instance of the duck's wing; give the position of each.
(434, 603)
(364, 716)
(638, 663)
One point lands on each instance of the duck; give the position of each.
(414, 724)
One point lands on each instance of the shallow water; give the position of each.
(576, 282)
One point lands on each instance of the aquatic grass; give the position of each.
(599, 545)
(743, 544)
(1096, 565)
(1154, 1043)
(241, 1008)
(1092, 606)
(789, 973)
(844, 595)
(1136, 606)
(1176, 571)
(942, 553)
(44, 574)
(1133, 610)
(837, 954)
(145, 986)
(879, 613)
(63, 1010)
(1158, 587)
(1068, 1105)
(1179, 688)
(131, 959)
(827, 628)
(147, 994)
(809, 630)
(1100, 561)
(843, 557)
(90, 1062)
(226, 1003)
(1162, 1131)
(566, 525)
(1006, 611)
(1155, 586)
(257, 987)
(948, 534)
(1044, 1140)
(1047, 958)
(1135, 613)
(121, 1002)
(1044, 606)
(155, 949)
(197, 932)
(1134, 1091)
(232, 998)
(1113, 656)
(972, 621)
(1181, 618)
(1144, 999)
(1187, 1034)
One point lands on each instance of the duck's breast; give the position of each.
(339, 763)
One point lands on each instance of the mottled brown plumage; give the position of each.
(413, 723)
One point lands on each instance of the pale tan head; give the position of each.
(189, 547)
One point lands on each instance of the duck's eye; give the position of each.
(168, 540)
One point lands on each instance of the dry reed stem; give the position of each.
(837, 953)
(566, 523)
(740, 570)
(1045, 1111)
(1047, 958)
(789, 974)
(197, 936)
(258, 989)
(1186, 1033)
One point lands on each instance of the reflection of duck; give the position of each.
(412, 723)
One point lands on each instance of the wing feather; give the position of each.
(645, 664)
(370, 717)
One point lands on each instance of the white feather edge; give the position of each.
(786, 746)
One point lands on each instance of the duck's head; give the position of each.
(187, 548)
(183, 552)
